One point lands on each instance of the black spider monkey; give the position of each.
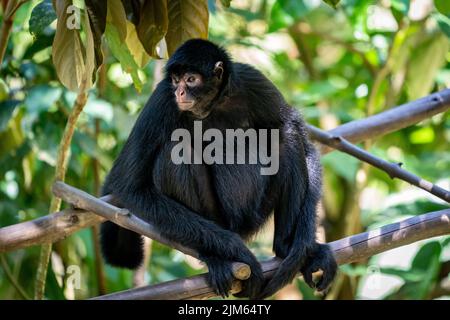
(212, 208)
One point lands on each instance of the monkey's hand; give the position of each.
(321, 258)
(220, 274)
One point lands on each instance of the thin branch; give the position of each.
(305, 55)
(11, 278)
(393, 169)
(47, 229)
(124, 218)
(346, 250)
(5, 29)
(60, 172)
(391, 120)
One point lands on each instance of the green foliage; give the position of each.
(332, 3)
(116, 32)
(325, 63)
(426, 60)
(285, 12)
(419, 279)
(41, 17)
(443, 6)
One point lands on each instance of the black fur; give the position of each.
(211, 208)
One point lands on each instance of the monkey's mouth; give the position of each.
(185, 105)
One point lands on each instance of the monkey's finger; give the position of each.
(307, 276)
(326, 279)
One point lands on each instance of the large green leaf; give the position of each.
(41, 17)
(420, 279)
(187, 19)
(444, 23)
(74, 62)
(426, 60)
(443, 6)
(6, 111)
(67, 50)
(116, 17)
(116, 34)
(153, 24)
(135, 46)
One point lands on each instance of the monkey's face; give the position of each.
(195, 92)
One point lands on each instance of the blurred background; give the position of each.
(335, 65)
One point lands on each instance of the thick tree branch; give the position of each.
(393, 169)
(124, 218)
(346, 250)
(391, 120)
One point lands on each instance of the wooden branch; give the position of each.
(393, 169)
(47, 229)
(124, 218)
(346, 250)
(391, 120)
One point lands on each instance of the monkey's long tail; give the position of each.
(121, 247)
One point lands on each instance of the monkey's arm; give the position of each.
(295, 216)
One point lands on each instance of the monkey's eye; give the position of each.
(190, 79)
(175, 80)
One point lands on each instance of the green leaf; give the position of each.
(426, 255)
(332, 3)
(116, 16)
(427, 260)
(400, 8)
(100, 109)
(407, 275)
(421, 278)
(73, 62)
(90, 147)
(342, 164)
(43, 41)
(427, 59)
(444, 23)
(4, 90)
(6, 111)
(116, 33)
(422, 135)
(41, 98)
(153, 25)
(135, 46)
(285, 12)
(443, 6)
(41, 17)
(187, 19)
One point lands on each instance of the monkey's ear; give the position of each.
(218, 70)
